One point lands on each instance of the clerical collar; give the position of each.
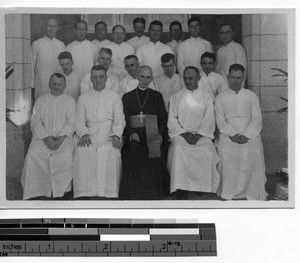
(228, 44)
(196, 38)
(167, 77)
(142, 90)
(49, 38)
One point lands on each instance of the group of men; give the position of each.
(140, 120)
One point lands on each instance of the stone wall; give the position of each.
(18, 97)
(265, 40)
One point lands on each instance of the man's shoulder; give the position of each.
(67, 98)
(129, 94)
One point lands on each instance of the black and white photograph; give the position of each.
(148, 108)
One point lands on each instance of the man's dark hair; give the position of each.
(167, 57)
(114, 28)
(226, 24)
(99, 23)
(208, 55)
(156, 23)
(98, 67)
(193, 68)
(65, 55)
(105, 50)
(58, 75)
(236, 67)
(79, 22)
(194, 19)
(139, 20)
(175, 23)
(130, 57)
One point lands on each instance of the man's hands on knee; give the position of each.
(134, 137)
(116, 141)
(84, 141)
(241, 139)
(191, 138)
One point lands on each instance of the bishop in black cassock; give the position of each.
(144, 136)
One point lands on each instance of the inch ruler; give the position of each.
(106, 237)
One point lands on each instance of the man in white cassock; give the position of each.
(150, 53)
(84, 52)
(72, 78)
(48, 166)
(104, 59)
(140, 39)
(130, 81)
(169, 83)
(100, 124)
(239, 120)
(175, 33)
(120, 50)
(192, 160)
(44, 57)
(230, 53)
(190, 50)
(100, 34)
(211, 81)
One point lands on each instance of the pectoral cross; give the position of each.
(141, 116)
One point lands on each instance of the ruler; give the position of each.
(96, 237)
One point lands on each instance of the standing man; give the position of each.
(130, 81)
(190, 50)
(44, 57)
(230, 53)
(139, 25)
(100, 124)
(48, 166)
(192, 160)
(175, 33)
(169, 83)
(84, 53)
(144, 134)
(100, 33)
(120, 50)
(212, 82)
(72, 78)
(150, 53)
(239, 120)
(104, 60)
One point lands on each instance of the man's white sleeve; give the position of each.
(69, 128)
(207, 126)
(222, 125)
(80, 126)
(119, 118)
(36, 124)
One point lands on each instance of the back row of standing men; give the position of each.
(99, 123)
(147, 49)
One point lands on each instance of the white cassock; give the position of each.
(72, 85)
(241, 166)
(232, 53)
(101, 44)
(192, 167)
(213, 83)
(168, 86)
(190, 52)
(84, 56)
(97, 168)
(45, 62)
(137, 42)
(119, 52)
(47, 172)
(128, 83)
(112, 83)
(174, 46)
(150, 54)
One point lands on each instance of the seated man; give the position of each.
(144, 134)
(72, 78)
(100, 123)
(239, 121)
(212, 82)
(48, 165)
(104, 60)
(192, 160)
(169, 83)
(130, 82)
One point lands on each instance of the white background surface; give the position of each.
(243, 235)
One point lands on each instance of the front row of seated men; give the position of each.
(90, 162)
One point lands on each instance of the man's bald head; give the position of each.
(144, 77)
